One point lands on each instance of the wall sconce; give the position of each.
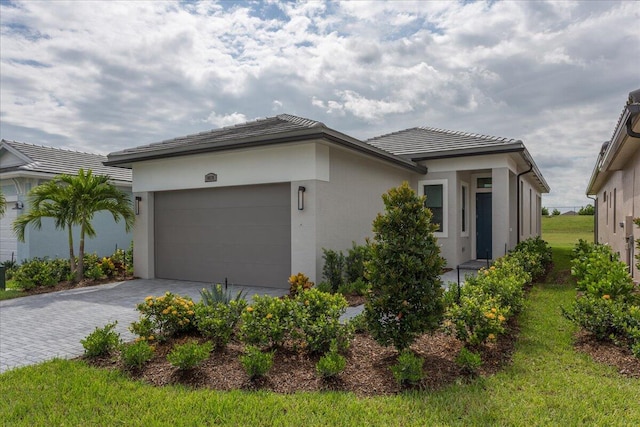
(301, 191)
(138, 199)
(19, 206)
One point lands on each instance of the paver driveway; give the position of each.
(40, 327)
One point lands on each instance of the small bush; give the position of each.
(218, 321)
(41, 272)
(136, 354)
(599, 271)
(358, 323)
(268, 321)
(408, 370)
(299, 283)
(166, 315)
(101, 341)
(333, 268)
(216, 295)
(256, 363)
(600, 316)
(331, 364)
(535, 256)
(189, 355)
(359, 287)
(468, 361)
(324, 287)
(355, 261)
(318, 319)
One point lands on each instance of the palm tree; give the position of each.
(3, 204)
(73, 200)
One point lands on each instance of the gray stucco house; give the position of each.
(24, 166)
(257, 202)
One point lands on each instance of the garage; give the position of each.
(242, 233)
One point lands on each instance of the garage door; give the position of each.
(240, 233)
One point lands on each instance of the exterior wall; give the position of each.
(347, 204)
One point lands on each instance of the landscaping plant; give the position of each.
(216, 295)
(101, 341)
(189, 355)
(255, 362)
(408, 370)
(268, 321)
(165, 315)
(404, 271)
(333, 268)
(136, 354)
(331, 364)
(218, 321)
(299, 283)
(469, 361)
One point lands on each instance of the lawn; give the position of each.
(548, 383)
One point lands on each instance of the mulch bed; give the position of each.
(66, 285)
(367, 372)
(608, 353)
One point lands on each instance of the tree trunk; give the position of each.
(72, 257)
(80, 271)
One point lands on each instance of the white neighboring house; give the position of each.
(615, 182)
(257, 202)
(24, 166)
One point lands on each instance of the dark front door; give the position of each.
(483, 226)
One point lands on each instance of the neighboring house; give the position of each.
(615, 182)
(257, 202)
(24, 166)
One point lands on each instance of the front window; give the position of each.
(436, 200)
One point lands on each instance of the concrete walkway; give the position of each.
(40, 327)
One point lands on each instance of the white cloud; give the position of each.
(226, 120)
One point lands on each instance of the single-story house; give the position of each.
(257, 202)
(23, 167)
(615, 183)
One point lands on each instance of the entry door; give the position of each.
(483, 226)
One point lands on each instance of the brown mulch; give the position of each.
(63, 286)
(608, 353)
(367, 372)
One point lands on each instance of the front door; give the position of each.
(483, 226)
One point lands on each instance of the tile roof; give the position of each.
(55, 161)
(270, 126)
(428, 140)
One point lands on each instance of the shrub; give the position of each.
(101, 341)
(358, 323)
(166, 315)
(136, 354)
(318, 318)
(216, 295)
(408, 370)
(324, 287)
(536, 256)
(268, 321)
(600, 272)
(359, 287)
(218, 321)
(405, 267)
(333, 267)
(256, 363)
(468, 361)
(354, 263)
(189, 355)
(41, 272)
(504, 281)
(299, 283)
(331, 364)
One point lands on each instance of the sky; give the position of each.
(99, 76)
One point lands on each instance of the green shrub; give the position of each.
(136, 354)
(535, 256)
(404, 271)
(217, 322)
(41, 272)
(331, 364)
(189, 355)
(359, 287)
(256, 363)
(333, 268)
(318, 319)
(504, 281)
(324, 287)
(600, 272)
(101, 341)
(358, 323)
(216, 295)
(468, 361)
(355, 261)
(166, 315)
(268, 321)
(600, 316)
(408, 370)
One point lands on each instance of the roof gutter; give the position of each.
(518, 195)
(633, 106)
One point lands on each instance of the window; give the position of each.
(615, 216)
(464, 209)
(530, 213)
(436, 200)
(484, 182)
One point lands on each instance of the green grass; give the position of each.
(548, 383)
(566, 230)
(10, 292)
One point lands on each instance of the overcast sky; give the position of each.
(102, 76)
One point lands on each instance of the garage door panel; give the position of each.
(241, 233)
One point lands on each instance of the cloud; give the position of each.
(102, 76)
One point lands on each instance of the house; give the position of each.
(23, 167)
(257, 202)
(615, 183)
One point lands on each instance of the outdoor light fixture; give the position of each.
(301, 191)
(138, 198)
(19, 206)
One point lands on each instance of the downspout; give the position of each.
(518, 195)
(595, 218)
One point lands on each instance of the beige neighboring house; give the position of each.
(615, 182)
(24, 166)
(257, 202)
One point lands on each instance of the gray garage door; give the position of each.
(240, 233)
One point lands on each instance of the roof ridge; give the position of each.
(48, 147)
(300, 120)
(469, 134)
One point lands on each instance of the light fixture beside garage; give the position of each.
(301, 191)
(138, 199)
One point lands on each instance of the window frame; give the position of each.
(445, 203)
(464, 209)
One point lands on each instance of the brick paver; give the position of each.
(40, 327)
